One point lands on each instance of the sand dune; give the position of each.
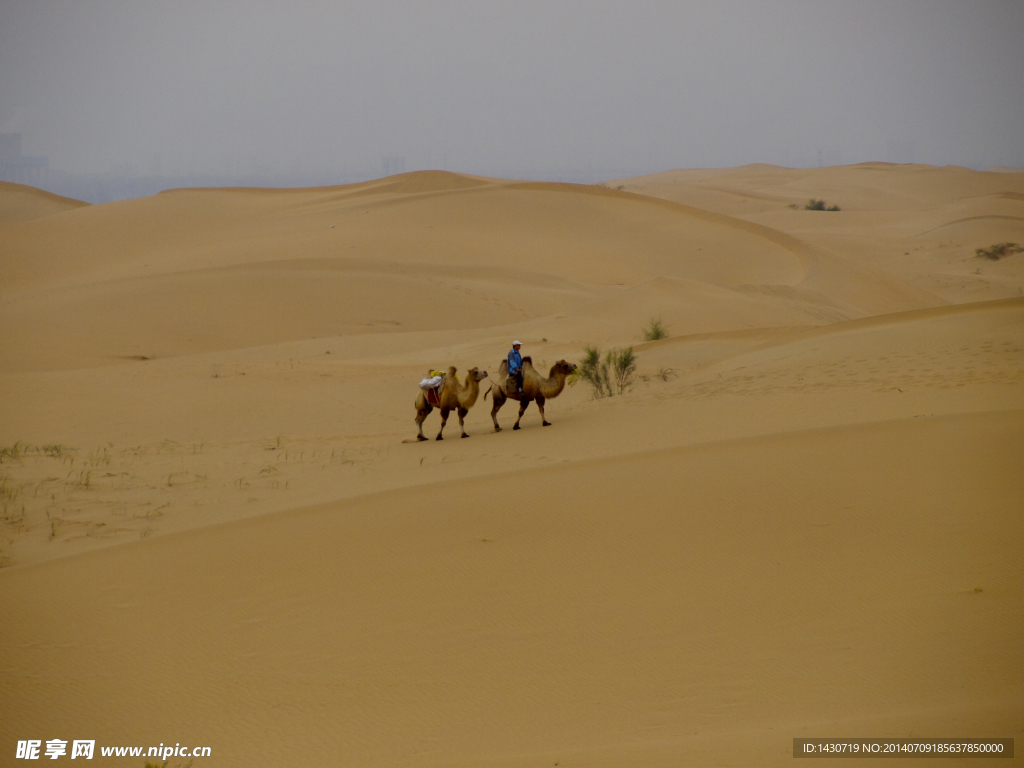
(20, 203)
(130, 279)
(702, 604)
(919, 224)
(802, 520)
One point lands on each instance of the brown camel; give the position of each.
(453, 397)
(535, 387)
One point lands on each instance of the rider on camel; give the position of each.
(515, 364)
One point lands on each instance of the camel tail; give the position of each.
(487, 393)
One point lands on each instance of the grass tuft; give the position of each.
(655, 330)
(14, 453)
(8, 492)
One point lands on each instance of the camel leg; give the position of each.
(462, 423)
(444, 420)
(523, 405)
(498, 401)
(540, 407)
(420, 418)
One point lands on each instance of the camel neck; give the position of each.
(553, 385)
(468, 392)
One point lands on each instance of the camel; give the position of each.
(535, 387)
(453, 397)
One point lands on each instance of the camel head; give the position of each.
(563, 367)
(476, 374)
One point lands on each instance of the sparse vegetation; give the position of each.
(819, 205)
(655, 330)
(593, 370)
(665, 373)
(624, 365)
(21, 450)
(610, 375)
(11, 454)
(9, 494)
(53, 492)
(84, 479)
(998, 251)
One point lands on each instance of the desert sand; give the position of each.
(804, 518)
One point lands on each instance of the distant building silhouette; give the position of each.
(19, 168)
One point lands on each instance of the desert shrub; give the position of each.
(665, 373)
(997, 251)
(623, 363)
(819, 205)
(610, 375)
(655, 330)
(593, 370)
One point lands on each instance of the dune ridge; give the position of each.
(20, 203)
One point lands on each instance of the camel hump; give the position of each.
(451, 370)
(527, 359)
(503, 368)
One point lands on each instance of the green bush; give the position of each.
(819, 205)
(997, 251)
(593, 370)
(655, 330)
(610, 375)
(623, 362)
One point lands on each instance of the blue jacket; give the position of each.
(515, 362)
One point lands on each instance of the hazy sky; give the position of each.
(516, 88)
